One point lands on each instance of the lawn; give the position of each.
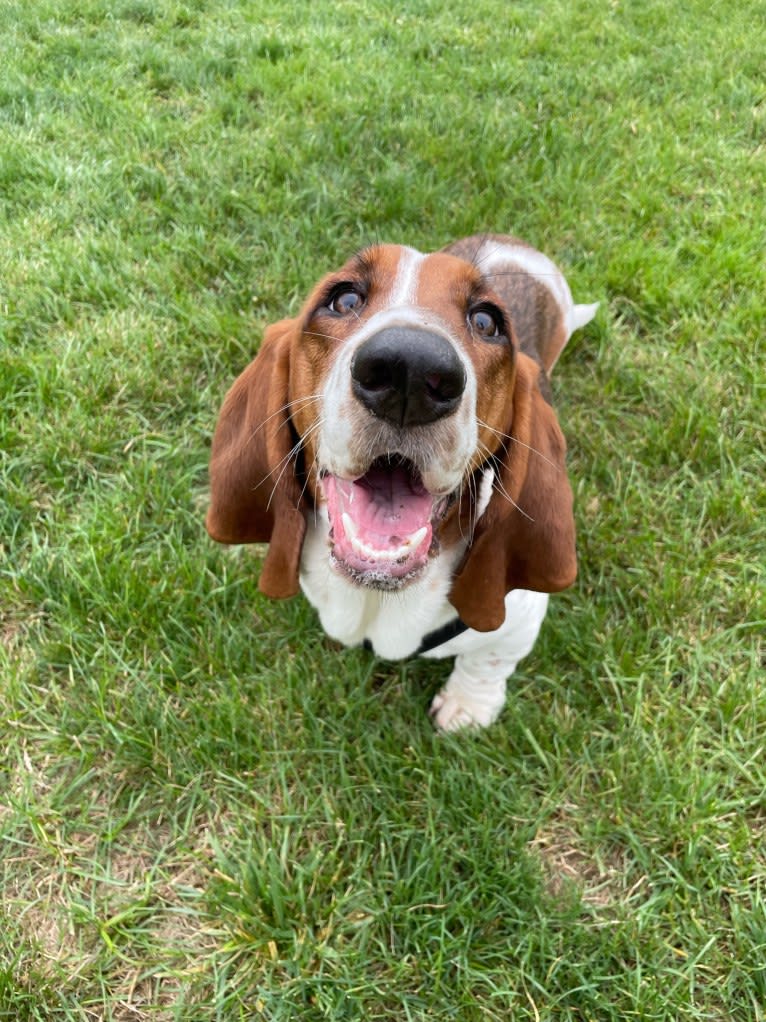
(207, 810)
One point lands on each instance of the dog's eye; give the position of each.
(345, 299)
(486, 321)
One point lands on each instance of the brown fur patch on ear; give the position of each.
(526, 537)
(255, 496)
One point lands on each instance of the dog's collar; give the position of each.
(441, 635)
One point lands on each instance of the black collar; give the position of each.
(441, 635)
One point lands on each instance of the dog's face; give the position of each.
(401, 378)
(398, 402)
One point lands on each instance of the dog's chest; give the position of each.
(393, 622)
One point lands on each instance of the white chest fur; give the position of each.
(393, 622)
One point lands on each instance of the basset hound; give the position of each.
(396, 447)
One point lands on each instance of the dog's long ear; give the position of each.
(526, 537)
(255, 495)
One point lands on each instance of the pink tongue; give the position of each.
(381, 522)
(386, 505)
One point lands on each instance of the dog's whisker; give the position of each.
(507, 436)
(323, 336)
(313, 467)
(474, 515)
(497, 483)
(284, 462)
(459, 509)
(288, 406)
(470, 486)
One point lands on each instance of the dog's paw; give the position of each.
(454, 710)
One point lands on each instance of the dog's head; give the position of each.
(399, 402)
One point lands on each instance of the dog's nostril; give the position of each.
(375, 374)
(445, 386)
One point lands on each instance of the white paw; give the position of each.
(455, 711)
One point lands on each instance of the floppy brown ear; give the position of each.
(255, 496)
(526, 537)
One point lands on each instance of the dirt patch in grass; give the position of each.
(135, 903)
(13, 638)
(601, 879)
(44, 925)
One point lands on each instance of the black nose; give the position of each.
(408, 377)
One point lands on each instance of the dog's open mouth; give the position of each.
(382, 524)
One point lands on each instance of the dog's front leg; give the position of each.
(475, 692)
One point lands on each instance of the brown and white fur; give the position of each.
(395, 445)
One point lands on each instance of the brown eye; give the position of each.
(486, 321)
(345, 300)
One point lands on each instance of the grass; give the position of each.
(207, 810)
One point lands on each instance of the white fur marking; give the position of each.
(579, 315)
(485, 492)
(532, 262)
(405, 285)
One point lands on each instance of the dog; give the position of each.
(396, 446)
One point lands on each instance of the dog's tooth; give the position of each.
(349, 526)
(375, 554)
(414, 541)
(366, 552)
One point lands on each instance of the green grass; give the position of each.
(207, 810)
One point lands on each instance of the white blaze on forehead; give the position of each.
(494, 254)
(405, 286)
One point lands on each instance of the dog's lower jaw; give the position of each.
(379, 580)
